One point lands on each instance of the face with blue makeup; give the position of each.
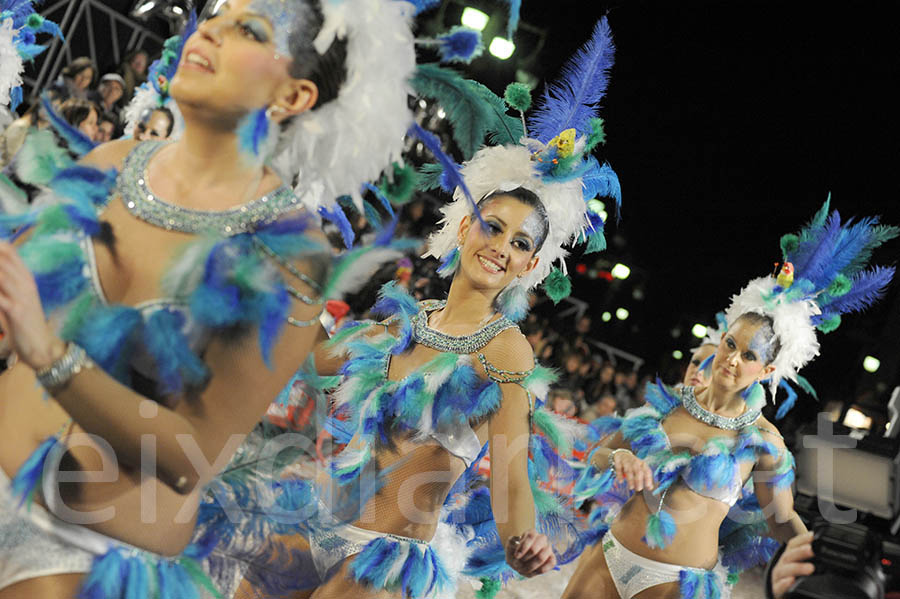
(744, 355)
(238, 61)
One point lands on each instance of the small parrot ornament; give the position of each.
(785, 276)
(565, 143)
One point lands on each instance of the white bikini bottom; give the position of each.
(633, 573)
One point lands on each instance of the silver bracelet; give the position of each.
(58, 374)
(612, 455)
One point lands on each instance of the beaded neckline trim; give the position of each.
(140, 201)
(693, 407)
(468, 344)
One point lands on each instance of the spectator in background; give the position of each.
(134, 70)
(82, 115)
(109, 92)
(75, 80)
(107, 128)
(606, 406)
(157, 124)
(604, 382)
(562, 402)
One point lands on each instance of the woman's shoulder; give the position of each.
(510, 350)
(769, 431)
(110, 155)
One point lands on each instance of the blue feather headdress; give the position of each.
(825, 273)
(552, 159)
(19, 27)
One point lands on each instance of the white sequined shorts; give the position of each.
(633, 573)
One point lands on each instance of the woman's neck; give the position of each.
(715, 398)
(207, 154)
(466, 305)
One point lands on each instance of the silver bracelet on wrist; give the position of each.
(58, 374)
(612, 455)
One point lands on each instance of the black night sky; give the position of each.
(728, 123)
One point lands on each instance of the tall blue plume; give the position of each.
(572, 101)
(337, 217)
(78, 142)
(452, 173)
(867, 288)
(386, 231)
(602, 180)
(252, 132)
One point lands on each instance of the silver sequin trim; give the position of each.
(703, 415)
(468, 344)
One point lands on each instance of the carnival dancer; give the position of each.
(678, 515)
(182, 291)
(431, 390)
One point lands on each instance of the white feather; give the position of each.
(361, 271)
(146, 100)
(10, 62)
(452, 548)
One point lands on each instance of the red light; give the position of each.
(886, 562)
(581, 268)
(605, 274)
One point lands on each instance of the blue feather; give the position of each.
(386, 232)
(28, 477)
(689, 584)
(603, 427)
(252, 131)
(423, 5)
(460, 44)
(788, 402)
(602, 180)
(449, 263)
(660, 530)
(138, 577)
(61, 285)
(106, 577)
(87, 185)
(572, 102)
(512, 302)
(107, 335)
(707, 363)
(337, 217)
(392, 300)
(867, 288)
(452, 174)
(812, 257)
(177, 366)
(515, 7)
(711, 586)
(78, 142)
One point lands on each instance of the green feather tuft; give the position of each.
(489, 588)
(557, 286)
(401, 189)
(807, 386)
(840, 286)
(597, 136)
(830, 324)
(429, 177)
(76, 314)
(474, 110)
(347, 332)
(51, 220)
(732, 578)
(546, 423)
(40, 158)
(596, 242)
(518, 96)
(789, 244)
(43, 255)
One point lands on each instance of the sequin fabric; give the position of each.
(140, 201)
(703, 415)
(468, 344)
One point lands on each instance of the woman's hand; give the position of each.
(21, 316)
(792, 563)
(530, 554)
(633, 470)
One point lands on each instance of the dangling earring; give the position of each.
(450, 263)
(513, 302)
(754, 395)
(255, 129)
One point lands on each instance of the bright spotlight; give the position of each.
(871, 364)
(677, 354)
(177, 10)
(474, 19)
(620, 271)
(144, 8)
(698, 331)
(621, 313)
(606, 317)
(856, 419)
(502, 48)
(441, 114)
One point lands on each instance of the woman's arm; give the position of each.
(528, 552)
(194, 441)
(776, 502)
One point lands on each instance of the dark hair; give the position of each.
(79, 64)
(529, 198)
(148, 114)
(328, 71)
(75, 111)
(764, 320)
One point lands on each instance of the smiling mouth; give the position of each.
(195, 59)
(490, 265)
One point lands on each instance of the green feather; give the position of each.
(54, 218)
(348, 332)
(42, 254)
(547, 425)
(472, 108)
(518, 96)
(75, 317)
(840, 286)
(557, 286)
(830, 324)
(818, 220)
(597, 136)
(732, 578)
(541, 375)
(429, 177)
(596, 242)
(489, 588)
(40, 159)
(12, 188)
(544, 502)
(789, 244)
(400, 190)
(807, 386)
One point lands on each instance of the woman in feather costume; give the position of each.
(428, 392)
(683, 483)
(134, 302)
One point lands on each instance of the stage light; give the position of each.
(441, 114)
(677, 354)
(698, 331)
(144, 8)
(871, 364)
(474, 19)
(856, 419)
(621, 313)
(502, 48)
(423, 104)
(178, 10)
(620, 271)
(606, 317)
